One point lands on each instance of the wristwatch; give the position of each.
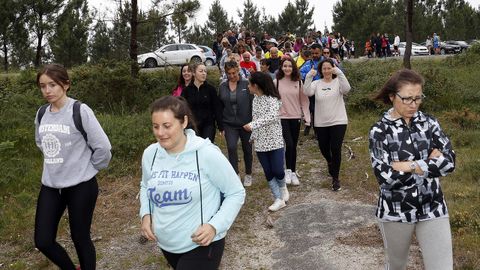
(413, 166)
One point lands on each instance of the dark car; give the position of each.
(463, 45)
(449, 48)
(446, 48)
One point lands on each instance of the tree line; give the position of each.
(450, 19)
(71, 33)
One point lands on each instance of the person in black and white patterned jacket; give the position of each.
(267, 135)
(409, 152)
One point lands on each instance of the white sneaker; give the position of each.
(285, 194)
(288, 179)
(277, 205)
(247, 180)
(294, 178)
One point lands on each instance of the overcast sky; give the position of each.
(322, 14)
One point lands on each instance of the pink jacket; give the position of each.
(177, 91)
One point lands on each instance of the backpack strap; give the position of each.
(41, 112)
(77, 119)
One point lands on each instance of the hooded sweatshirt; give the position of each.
(68, 160)
(170, 191)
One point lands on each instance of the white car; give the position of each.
(417, 49)
(172, 54)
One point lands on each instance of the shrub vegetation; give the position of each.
(121, 104)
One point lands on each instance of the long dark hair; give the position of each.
(181, 80)
(295, 74)
(265, 83)
(56, 72)
(396, 81)
(177, 105)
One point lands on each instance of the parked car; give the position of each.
(417, 49)
(473, 41)
(463, 45)
(446, 48)
(211, 58)
(172, 54)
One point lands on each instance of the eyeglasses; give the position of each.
(326, 52)
(410, 100)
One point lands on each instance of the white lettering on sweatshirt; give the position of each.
(54, 128)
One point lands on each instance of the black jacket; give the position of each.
(204, 103)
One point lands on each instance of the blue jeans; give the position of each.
(272, 163)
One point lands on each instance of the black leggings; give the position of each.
(290, 132)
(80, 201)
(207, 131)
(330, 141)
(232, 134)
(200, 258)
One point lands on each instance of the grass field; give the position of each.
(452, 96)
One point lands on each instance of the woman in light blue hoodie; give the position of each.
(182, 177)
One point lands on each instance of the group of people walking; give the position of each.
(379, 46)
(190, 193)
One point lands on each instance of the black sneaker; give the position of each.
(336, 185)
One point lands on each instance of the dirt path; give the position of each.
(319, 229)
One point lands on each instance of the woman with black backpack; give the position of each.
(74, 148)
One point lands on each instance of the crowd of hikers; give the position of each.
(190, 193)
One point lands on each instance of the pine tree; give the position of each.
(100, 45)
(152, 31)
(304, 16)
(41, 20)
(459, 18)
(70, 40)
(7, 17)
(121, 32)
(250, 17)
(179, 22)
(288, 19)
(217, 19)
(271, 25)
(198, 34)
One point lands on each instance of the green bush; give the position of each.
(121, 105)
(110, 88)
(129, 136)
(105, 88)
(450, 84)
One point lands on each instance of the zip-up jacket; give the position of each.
(204, 103)
(236, 111)
(405, 196)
